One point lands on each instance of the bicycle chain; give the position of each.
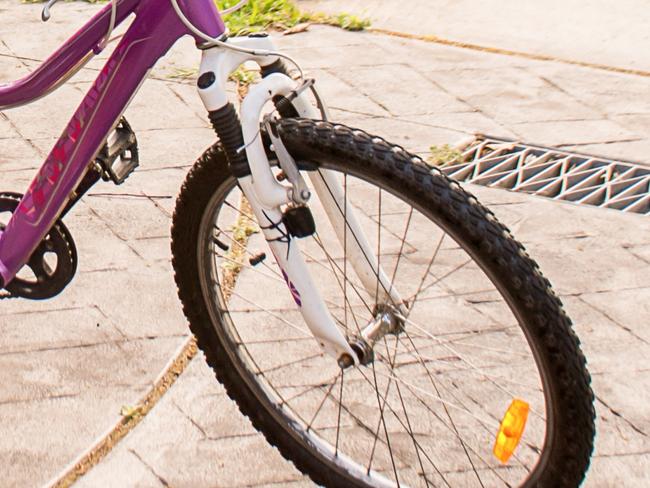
(47, 280)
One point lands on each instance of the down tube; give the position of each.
(150, 36)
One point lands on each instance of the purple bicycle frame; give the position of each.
(154, 30)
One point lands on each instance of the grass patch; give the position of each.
(441, 155)
(343, 20)
(259, 15)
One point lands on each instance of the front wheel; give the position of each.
(483, 327)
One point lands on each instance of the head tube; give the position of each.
(203, 14)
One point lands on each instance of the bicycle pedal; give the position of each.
(119, 155)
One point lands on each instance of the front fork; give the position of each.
(266, 195)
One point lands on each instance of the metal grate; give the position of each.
(552, 173)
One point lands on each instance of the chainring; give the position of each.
(41, 278)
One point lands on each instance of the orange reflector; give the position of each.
(511, 429)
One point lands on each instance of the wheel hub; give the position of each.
(386, 321)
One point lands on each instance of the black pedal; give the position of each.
(299, 221)
(119, 156)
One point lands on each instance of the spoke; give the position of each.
(424, 276)
(438, 280)
(483, 425)
(272, 314)
(383, 423)
(415, 443)
(282, 340)
(387, 229)
(354, 417)
(343, 288)
(437, 398)
(346, 281)
(412, 437)
(279, 278)
(274, 271)
(346, 226)
(475, 451)
(380, 423)
(460, 295)
(381, 413)
(451, 420)
(481, 373)
(275, 277)
(469, 335)
(401, 248)
(338, 417)
(508, 352)
(378, 247)
(305, 391)
(290, 363)
(468, 362)
(322, 402)
(345, 257)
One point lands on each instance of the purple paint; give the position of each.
(294, 291)
(153, 31)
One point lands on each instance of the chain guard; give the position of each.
(46, 280)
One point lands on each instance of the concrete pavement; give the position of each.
(70, 364)
(593, 31)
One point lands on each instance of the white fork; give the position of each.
(266, 195)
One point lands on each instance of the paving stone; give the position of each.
(18, 154)
(203, 399)
(413, 136)
(56, 402)
(57, 109)
(527, 98)
(130, 218)
(342, 96)
(133, 472)
(140, 302)
(466, 123)
(629, 471)
(562, 133)
(156, 106)
(630, 401)
(75, 327)
(630, 307)
(577, 30)
(314, 53)
(608, 93)
(41, 437)
(401, 90)
(178, 147)
(426, 56)
(218, 463)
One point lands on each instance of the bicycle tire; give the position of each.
(567, 396)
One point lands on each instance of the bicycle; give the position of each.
(403, 336)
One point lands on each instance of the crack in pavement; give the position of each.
(150, 468)
(90, 345)
(618, 414)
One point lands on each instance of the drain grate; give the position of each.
(552, 173)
